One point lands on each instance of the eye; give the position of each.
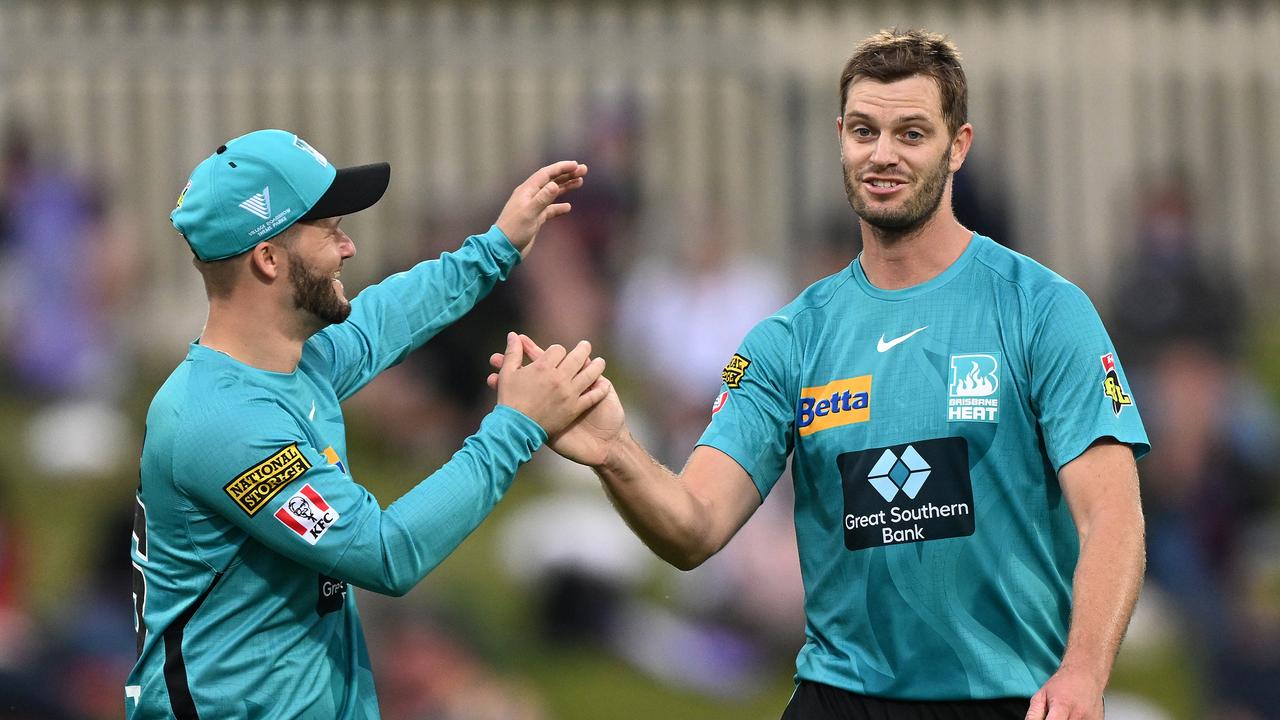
(862, 131)
(913, 135)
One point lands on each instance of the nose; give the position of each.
(884, 154)
(346, 246)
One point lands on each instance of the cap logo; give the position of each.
(302, 145)
(183, 195)
(259, 204)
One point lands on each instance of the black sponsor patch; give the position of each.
(734, 371)
(333, 594)
(254, 488)
(905, 493)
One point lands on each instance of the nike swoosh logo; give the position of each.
(882, 345)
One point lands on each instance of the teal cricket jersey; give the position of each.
(249, 525)
(926, 428)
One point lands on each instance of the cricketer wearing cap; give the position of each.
(249, 526)
(961, 438)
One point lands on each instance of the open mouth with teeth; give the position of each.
(881, 186)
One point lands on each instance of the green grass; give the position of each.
(62, 524)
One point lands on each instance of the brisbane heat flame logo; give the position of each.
(974, 392)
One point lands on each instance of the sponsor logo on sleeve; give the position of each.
(307, 514)
(974, 392)
(734, 371)
(252, 489)
(332, 456)
(720, 402)
(907, 493)
(839, 402)
(1111, 386)
(332, 595)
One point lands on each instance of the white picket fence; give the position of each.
(1076, 104)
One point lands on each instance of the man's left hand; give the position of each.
(1068, 695)
(533, 202)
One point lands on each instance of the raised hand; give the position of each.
(533, 202)
(588, 438)
(555, 388)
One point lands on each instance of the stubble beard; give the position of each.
(913, 214)
(315, 294)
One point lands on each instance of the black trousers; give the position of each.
(815, 701)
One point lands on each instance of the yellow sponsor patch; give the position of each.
(254, 488)
(734, 371)
(839, 402)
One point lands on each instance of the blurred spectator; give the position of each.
(679, 320)
(1167, 292)
(427, 673)
(94, 643)
(25, 693)
(64, 277)
(1209, 483)
(570, 280)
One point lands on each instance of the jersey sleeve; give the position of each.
(1079, 391)
(402, 312)
(752, 418)
(283, 492)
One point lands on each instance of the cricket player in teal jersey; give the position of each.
(250, 527)
(961, 436)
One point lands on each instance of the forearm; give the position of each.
(418, 531)
(404, 311)
(657, 505)
(1107, 580)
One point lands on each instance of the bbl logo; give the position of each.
(1111, 386)
(974, 392)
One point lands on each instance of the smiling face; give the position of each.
(896, 152)
(316, 255)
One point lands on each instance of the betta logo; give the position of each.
(839, 402)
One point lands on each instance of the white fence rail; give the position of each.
(1076, 104)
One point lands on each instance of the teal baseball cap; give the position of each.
(257, 185)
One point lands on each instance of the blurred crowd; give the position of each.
(72, 382)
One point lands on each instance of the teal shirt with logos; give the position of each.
(249, 526)
(926, 427)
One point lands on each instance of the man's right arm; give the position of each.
(683, 518)
(689, 517)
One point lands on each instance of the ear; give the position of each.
(267, 260)
(960, 145)
(840, 136)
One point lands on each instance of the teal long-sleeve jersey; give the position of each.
(249, 527)
(926, 427)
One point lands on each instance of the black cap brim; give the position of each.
(353, 189)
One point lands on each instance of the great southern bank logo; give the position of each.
(974, 392)
(892, 473)
(839, 402)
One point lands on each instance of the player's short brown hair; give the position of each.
(894, 54)
(220, 276)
